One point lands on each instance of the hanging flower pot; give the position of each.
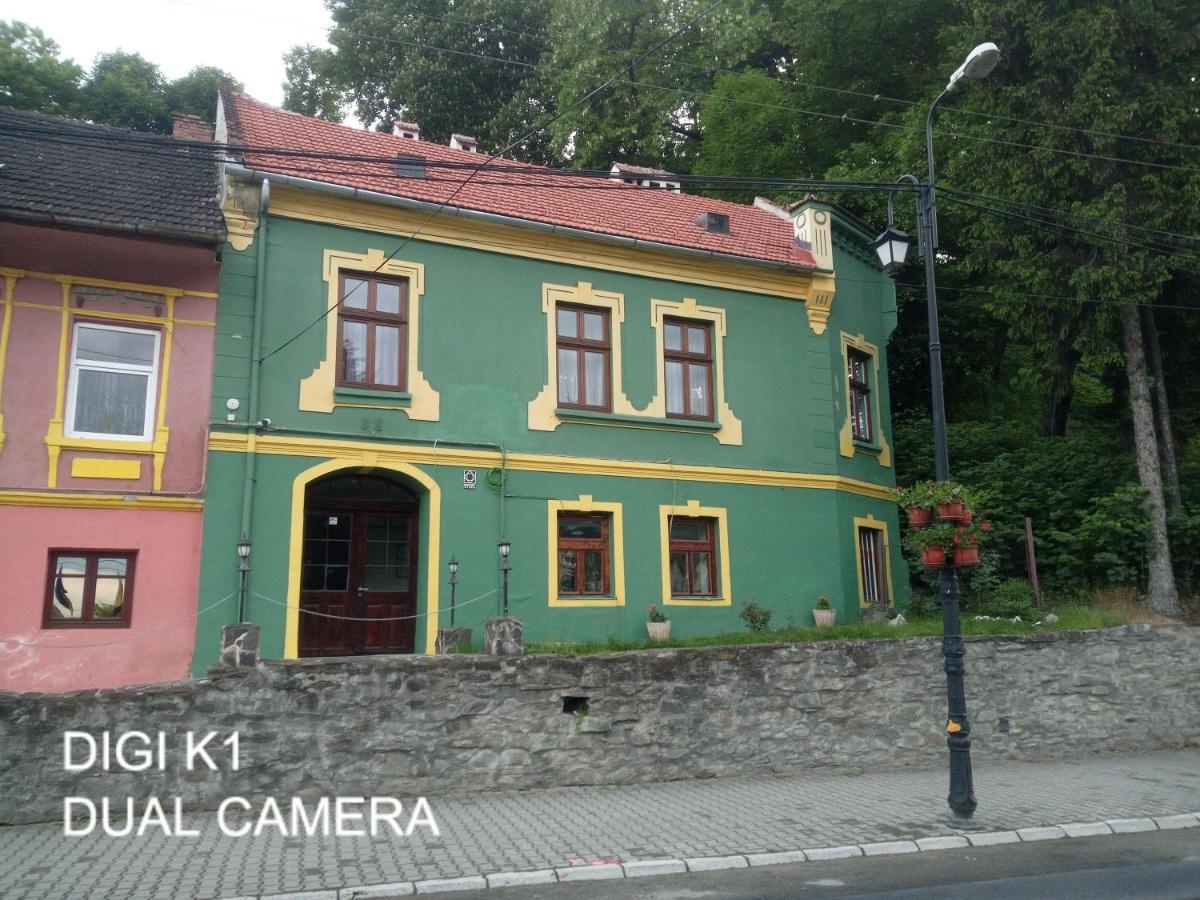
(934, 556)
(967, 555)
(919, 516)
(952, 511)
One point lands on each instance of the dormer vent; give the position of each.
(463, 142)
(717, 223)
(409, 166)
(408, 130)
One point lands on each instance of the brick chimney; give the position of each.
(463, 142)
(190, 128)
(408, 130)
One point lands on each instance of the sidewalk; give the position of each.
(562, 827)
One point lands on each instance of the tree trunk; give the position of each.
(1163, 596)
(1061, 392)
(1163, 409)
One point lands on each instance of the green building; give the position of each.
(655, 398)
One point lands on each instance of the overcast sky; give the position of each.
(246, 38)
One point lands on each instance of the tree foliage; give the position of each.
(31, 74)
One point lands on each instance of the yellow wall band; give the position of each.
(98, 501)
(85, 467)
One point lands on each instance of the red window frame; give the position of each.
(372, 318)
(690, 547)
(92, 561)
(858, 374)
(580, 547)
(579, 345)
(688, 358)
(872, 564)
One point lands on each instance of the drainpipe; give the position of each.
(260, 277)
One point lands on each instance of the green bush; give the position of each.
(922, 605)
(756, 617)
(1012, 599)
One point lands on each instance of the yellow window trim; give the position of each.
(846, 444)
(693, 510)
(871, 522)
(56, 440)
(616, 536)
(397, 451)
(10, 280)
(317, 389)
(365, 462)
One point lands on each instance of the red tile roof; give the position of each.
(602, 205)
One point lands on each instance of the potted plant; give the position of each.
(917, 501)
(931, 543)
(823, 613)
(953, 501)
(658, 626)
(966, 543)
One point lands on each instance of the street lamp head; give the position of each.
(504, 546)
(891, 247)
(453, 565)
(243, 548)
(978, 64)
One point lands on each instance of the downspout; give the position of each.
(260, 277)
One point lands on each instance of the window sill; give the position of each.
(583, 416)
(697, 601)
(867, 447)
(586, 600)
(348, 396)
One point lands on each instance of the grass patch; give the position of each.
(1070, 618)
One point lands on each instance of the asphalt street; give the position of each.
(1158, 865)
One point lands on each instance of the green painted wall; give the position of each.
(483, 337)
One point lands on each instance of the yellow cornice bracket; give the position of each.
(53, 440)
(160, 455)
(239, 226)
(819, 302)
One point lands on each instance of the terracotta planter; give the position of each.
(952, 512)
(966, 556)
(659, 631)
(933, 556)
(824, 617)
(919, 516)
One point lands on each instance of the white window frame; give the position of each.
(93, 365)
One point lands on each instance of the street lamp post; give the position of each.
(453, 566)
(504, 547)
(891, 250)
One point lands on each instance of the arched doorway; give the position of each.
(359, 566)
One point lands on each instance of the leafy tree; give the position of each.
(309, 87)
(31, 74)
(196, 92)
(126, 90)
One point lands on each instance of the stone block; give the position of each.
(378, 891)
(520, 879)
(1085, 829)
(715, 863)
(889, 848)
(654, 867)
(1187, 820)
(776, 859)
(450, 639)
(1131, 826)
(992, 838)
(590, 873)
(503, 636)
(240, 645)
(943, 842)
(446, 885)
(819, 853)
(1046, 833)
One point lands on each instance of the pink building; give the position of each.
(108, 281)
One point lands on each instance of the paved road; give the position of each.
(1160, 865)
(561, 827)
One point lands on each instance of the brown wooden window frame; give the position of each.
(861, 428)
(580, 345)
(689, 547)
(92, 559)
(686, 358)
(372, 318)
(581, 546)
(872, 551)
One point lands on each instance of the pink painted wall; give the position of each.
(158, 644)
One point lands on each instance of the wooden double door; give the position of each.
(359, 577)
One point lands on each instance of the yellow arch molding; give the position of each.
(365, 461)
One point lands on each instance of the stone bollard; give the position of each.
(239, 645)
(502, 637)
(450, 639)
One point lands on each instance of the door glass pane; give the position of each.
(387, 297)
(689, 530)
(593, 572)
(354, 293)
(387, 355)
(698, 389)
(110, 402)
(568, 376)
(593, 326)
(578, 527)
(336, 578)
(568, 323)
(679, 578)
(385, 578)
(566, 571)
(701, 582)
(596, 383)
(696, 340)
(129, 348)
(313, 578)
(314, 553)
(675, 388)
(337, 553)
(354, 351)
(673, 336)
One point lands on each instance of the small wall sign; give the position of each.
(470, 479)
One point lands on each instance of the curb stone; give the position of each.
(637, 868)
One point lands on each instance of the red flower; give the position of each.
(957, 540)
(986, 526)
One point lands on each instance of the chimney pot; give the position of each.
(464, 142)
(190, 128)
(408, 130)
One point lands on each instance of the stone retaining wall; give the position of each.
(406, 726)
